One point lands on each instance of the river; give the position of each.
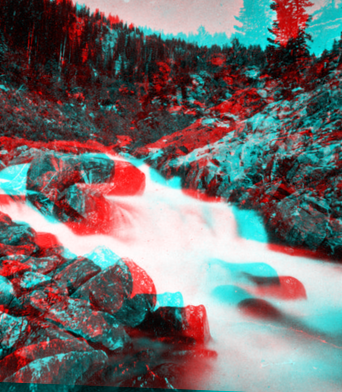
(209, 252)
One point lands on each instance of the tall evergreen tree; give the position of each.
(288, 54)
(291, 19)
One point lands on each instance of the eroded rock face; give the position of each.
(280, 158)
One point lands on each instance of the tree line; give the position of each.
(60, 49)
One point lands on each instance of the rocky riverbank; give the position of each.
(67, 320)
(280, 158)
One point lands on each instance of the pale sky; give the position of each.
(174, 16)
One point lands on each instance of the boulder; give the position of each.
(12, 330)
(163, 376)
(179, 325)
(142, 299)
(103, 257)
(25, 355)
(51, 175)
(8, 250)
(298, 223)
(88, 211)
(77, 273)
(10, 268)
(107, 290)
(45, 265)
(6, 291)
(17, 234)
(77, 317)
(71, 368)
(29, 281)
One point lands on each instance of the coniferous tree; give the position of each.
(288, 54)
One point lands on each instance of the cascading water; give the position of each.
(278, 337)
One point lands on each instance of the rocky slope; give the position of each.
(279, 157)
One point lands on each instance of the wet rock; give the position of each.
(103, 257)
(8, 250)
(286, 288)
(78, 317)
(163, 376)
(259, 308)
(5, 220)
(127, 180)
(11, 330)
(134, 310)
(25, 355)
(183, 325)
(77, 273)
(71, 368)
(107, 290)
(40, 331)
(29, 281)
(49, 245)
(170, 299)
(17, 234)
(45, 265)
(122, 369)
(10, 268)
(6, 291)
(142, 282)
(299, 224)
(88, 210)
(52, 174)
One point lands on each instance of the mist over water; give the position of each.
(211, 253)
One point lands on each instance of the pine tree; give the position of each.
(256, 17)
(291, 19)
(288, 54)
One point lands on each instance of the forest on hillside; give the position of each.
(124, 82)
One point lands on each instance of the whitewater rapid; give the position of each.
(191, 246)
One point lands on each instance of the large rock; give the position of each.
(52, 174)
(25, 355)
(124, 290)
(16, 238)
(77, 317)
(298, 223)
(71, 368)
(29, 281)
(178, 325)
(6, 291)
(142, 299)
(88, 209)
(45, 265)
(77, 273)
(11, 330)
(103, 257)
(10, 268)
(17, 234)
(108, 289)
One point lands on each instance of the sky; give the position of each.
(175, 16)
